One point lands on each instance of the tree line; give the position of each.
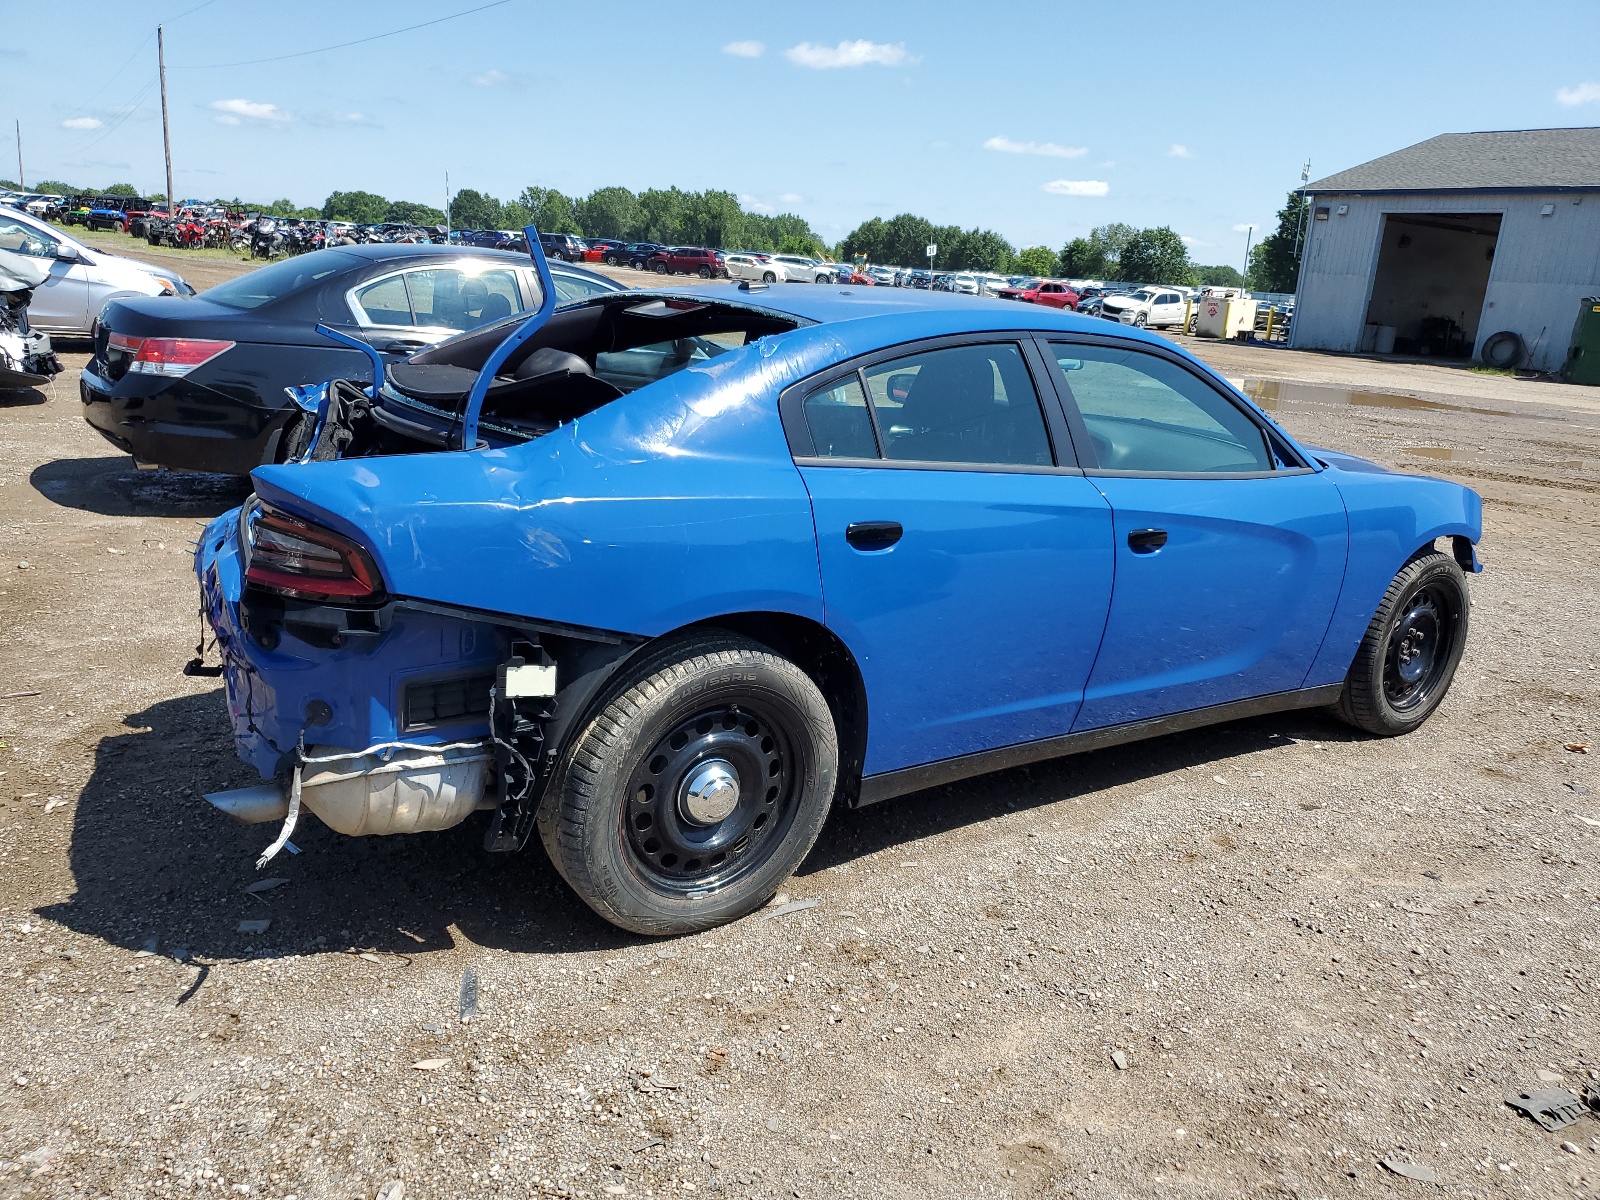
(714, 218)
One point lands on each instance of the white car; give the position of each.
(756, 268)
(81, 278)
(1149, 307)
(797, 268)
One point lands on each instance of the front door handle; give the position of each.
(1147, 541)
(873, 535)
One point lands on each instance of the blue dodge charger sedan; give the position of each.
(662, 576)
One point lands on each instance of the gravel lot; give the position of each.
(1311, 950)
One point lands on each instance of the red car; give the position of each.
(686, 260)
(1042, 291)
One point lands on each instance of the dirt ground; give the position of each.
(1311, 950)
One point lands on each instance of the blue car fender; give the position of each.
(1392, 517)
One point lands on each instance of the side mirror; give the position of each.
(67, 252)
(899, 386)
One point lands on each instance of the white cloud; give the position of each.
(791, 198)
(1244, 227)
(255, 110)
(1109, 165)
(227, 119)
(1583, 93)
(859, 53)
(82, 123)
(755, 204)
(748, 49)
(1046, 149)
(1077, 187)
(1191, 241)
(1179, 150)
(490, 78)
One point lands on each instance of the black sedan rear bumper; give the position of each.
(180, 423)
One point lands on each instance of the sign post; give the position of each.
(933, 248)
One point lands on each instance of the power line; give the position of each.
(251, 62)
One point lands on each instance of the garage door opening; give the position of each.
(1427, 294)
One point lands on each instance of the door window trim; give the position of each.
(1277, 443)
(1063, 446)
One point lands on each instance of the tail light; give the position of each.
(167, 356)
(297, 558)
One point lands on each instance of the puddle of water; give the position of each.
(1270, 394)
(1443, 453)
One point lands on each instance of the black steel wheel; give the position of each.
(695, 789)
(1408, 657)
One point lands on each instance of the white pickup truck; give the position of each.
(1152, 307)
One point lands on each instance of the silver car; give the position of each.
(81, 278)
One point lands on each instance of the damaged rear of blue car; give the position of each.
(660, 576)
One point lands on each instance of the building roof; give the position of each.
(1509, 159)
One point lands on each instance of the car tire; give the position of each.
(704, 272)
(619, 825)
(1411, 649)
(661, 269)
(768, 277)
(1140, 320)
(612, 261)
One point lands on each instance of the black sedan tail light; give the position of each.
(166, 356)
(306, 561)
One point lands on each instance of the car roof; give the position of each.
(945, 311)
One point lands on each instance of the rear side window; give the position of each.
(456, 299)
(964, 404)
(385, 302)
(1147, 414)
(839, 422)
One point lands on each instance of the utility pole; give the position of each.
(1250, 231)
(166, 133)
(1305, 205)
(22, 184)
(447, 206)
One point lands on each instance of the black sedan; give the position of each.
(198, 383)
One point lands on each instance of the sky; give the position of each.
(1038, 120)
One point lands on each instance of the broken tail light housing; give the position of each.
(166, 356)
(296, 558)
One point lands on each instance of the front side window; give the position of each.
(964, 404)
(25, 239)
(1145, 413)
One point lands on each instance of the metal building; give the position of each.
(1434, 249)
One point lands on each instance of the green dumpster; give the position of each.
(1583, 356)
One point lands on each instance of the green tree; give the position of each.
(663, 214)
(121, 189)
(610, 212)
(1083, 259)
(282, 208)
(1275, 260)
(551, 211)
(471, 209)
(868, 238)
(1155, 256)
(713, 218)
(364, 208)
(1219, 276)
(1037, 260)
(982, 250)
(413, 213)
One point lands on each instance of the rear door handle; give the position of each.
(1147, 541)
(873, 535)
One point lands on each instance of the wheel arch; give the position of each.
(595, 672)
